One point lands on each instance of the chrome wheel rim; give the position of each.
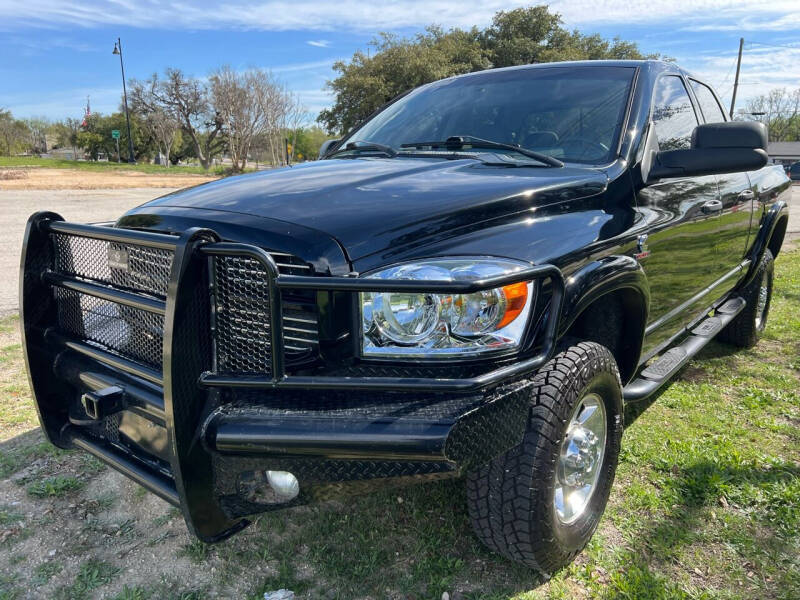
(763, 296)
(580, 459)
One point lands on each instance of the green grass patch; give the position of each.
(196, 551)
(104, 167)
(91, 575)
(55, 487)
(46, 571)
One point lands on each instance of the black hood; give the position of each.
(371, 204)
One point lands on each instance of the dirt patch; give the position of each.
(35, 178)
(13, 174)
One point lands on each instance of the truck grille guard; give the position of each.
(170, 306)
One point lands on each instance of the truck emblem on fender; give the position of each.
(641, 248)
(118, 259)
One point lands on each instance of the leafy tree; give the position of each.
(96, 139)
(91, 142)
(515, 37)
(66, 132)
(308, 141)
(14, 134)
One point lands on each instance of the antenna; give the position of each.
(736, 81)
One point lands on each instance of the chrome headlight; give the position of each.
(411, 324)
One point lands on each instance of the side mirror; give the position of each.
(717, 148)
(326, 145)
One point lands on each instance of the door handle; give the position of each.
(712, 206)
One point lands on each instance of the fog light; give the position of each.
(284, 484)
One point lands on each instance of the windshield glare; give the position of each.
(573, 114)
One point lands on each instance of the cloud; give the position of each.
(357, 15)
(763, 68)
(324, 65)
(319, 43)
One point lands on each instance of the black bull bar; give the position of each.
(446, 425)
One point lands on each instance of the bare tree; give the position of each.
(781, 112)
(242, 100)
(37, 130)
(162, 127)
(185, 100)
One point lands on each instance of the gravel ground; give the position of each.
(83, 206)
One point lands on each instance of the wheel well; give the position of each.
(616, 320)
(776, 240)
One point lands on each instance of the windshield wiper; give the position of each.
(460, 141)
(367, 147)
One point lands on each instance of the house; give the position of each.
(784, 153)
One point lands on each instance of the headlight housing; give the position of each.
(445, 325)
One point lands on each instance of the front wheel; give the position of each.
(540, 502)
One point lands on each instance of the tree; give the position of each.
(14, 134)
(37, 131)
(67, 134)
(245, 102)
(185, 99)
(515, 37)
(308, 141)
(96, 138)
(781, 113)
(162, 128)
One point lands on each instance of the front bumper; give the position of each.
(202, 439)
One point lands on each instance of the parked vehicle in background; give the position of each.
(474, 282)
(794, 171)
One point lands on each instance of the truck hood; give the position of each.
(371, 204)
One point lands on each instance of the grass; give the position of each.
(104, 167)
(91, 575)
(46, 571)
(706, 505)
(55, 487)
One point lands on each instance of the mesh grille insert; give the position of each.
(148, 269)
(242, 310)
(130, 332)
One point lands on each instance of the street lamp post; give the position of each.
(118, 50)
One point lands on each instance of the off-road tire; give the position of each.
(511, 499)
(744, 331)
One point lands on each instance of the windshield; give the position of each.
(573, 114)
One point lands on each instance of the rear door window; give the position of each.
(673, 114)
(712, 111)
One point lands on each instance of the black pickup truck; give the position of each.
(472, 283)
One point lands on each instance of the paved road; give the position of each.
(793, 231)
(84, 206)
(104, 205)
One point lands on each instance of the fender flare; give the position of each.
(585, 286)
(766, 228)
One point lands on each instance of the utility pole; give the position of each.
(736, 81)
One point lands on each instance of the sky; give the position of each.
(55, 53)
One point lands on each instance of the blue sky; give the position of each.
(53, 53)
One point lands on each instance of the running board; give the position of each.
(658, 373)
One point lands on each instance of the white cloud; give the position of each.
(319, 43)
(357, 15)
(763, 68)
(324, 65)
